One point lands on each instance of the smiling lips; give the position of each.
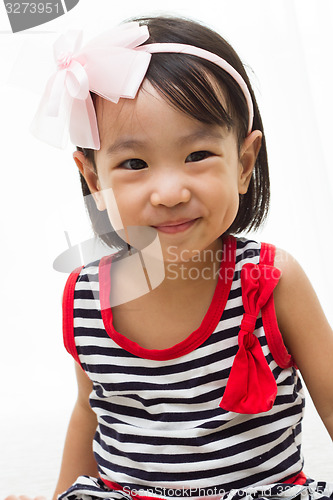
(173, 227)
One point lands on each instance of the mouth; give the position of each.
(172, 227)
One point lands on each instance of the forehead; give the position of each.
(147, 116)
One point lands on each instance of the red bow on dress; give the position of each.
(251, 386)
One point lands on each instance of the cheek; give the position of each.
(225, 203)
(124, 211)
(125, 220)
(113, 209)
(233, 203)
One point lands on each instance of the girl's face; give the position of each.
(157, 167)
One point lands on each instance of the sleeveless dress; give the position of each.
(216, 416)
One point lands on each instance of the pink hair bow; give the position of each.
(107, 66)
(251, 386)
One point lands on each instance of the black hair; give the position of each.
(189, 83)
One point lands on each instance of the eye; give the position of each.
(198, 156)
(134, 164)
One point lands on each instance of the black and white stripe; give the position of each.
(160, 426)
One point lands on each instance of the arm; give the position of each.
(306, 333)
(78, 458)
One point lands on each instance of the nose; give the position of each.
(170, 189)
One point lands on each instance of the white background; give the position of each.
(287, 48)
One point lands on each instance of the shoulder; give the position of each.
(82, 279)
(306, 332)
(299, 313)
(246, 248)
(86, 272)
(293, 284)
(292, 274)
(294, 289)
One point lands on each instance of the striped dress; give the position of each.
(217, 415)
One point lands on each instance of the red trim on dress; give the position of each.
(196, 338)
(68, 314)
(116, 487)
(270, 324)
(300, 478)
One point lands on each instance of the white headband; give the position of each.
(113, 65)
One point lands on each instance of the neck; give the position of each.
(201, 270)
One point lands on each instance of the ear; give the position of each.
(247, 159)
(87, 170)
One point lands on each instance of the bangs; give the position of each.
(200, 89)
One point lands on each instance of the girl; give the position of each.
(188, 340)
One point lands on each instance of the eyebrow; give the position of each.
(128, 142)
